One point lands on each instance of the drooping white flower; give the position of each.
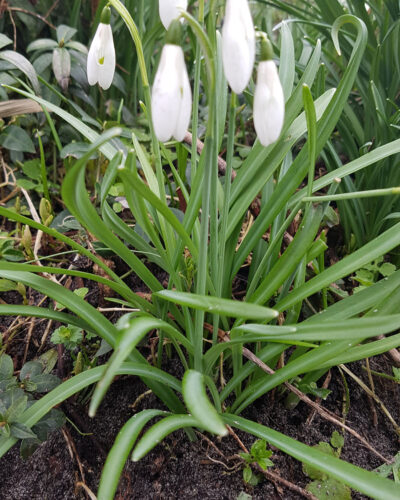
(101, 56)
(269, 103)
(171, 99)
(170, 10)
(238, 44)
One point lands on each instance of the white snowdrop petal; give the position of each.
(101, 57)
(170, 10)
(238, 44)
(167, 92)
(185, 110)
(92, 69)
(269, 104)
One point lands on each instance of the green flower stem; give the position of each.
(311, 119)
(196, 93)
(227, 193)
(351, 196)
(43, 172)
(209, 174)
(133, 30)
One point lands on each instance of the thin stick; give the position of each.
(374, 396)
(270, 475)
(322, 412)
(38, 16)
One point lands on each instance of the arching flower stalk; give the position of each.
(170, 10)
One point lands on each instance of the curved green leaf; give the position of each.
(131, 332)
(22, 63)
(198, 404)
(75, 384)
(216, 305)
(159, 431)
(361, 480)
(119, 452)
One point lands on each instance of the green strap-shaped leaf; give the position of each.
(76, 198)
(304, 363)
(359, 479)
(198, 404)
(130, 336)
(334, 330)
(108, 150)
(119, 452)
(104, 328)
(216, 305)
(44, 312)
(124, 291)
(159, 431)
(372, 250)
(291, 258)
(75, 384)
(22, 63)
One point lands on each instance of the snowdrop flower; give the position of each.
(269, 101)
(170, 10)
(238, 44)
(101, 56)
(171, 99)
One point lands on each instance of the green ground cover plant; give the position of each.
(193, 214)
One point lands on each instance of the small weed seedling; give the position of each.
(259, 455)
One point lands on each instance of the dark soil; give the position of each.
(178, 468)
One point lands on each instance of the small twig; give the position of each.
(374, 396)
(14, 28)
(38, 16)
(88, 491)
(74, 455)
(372, 386)
(271, 475)
(321, 411)
(55, 4)
(140, 398)
(28, 339)
(45, 334)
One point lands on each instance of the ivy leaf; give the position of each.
(259, 448)
(28, 446)
(30, 370)
(45, 382)
(21, 431)
(52, 421)
(329, 489)
(48, 360)
(6, 367)
(17, 407)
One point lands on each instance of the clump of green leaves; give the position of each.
(322, 486)
(16, 396)
(259, 455)
(392, 469)
(69, 336)
(369, 274)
